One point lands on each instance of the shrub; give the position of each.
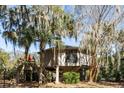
(71, 77)
(11, 73)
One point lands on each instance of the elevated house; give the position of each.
(68, 58)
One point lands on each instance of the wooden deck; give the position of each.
(66, 68)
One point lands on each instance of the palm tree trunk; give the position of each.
(26, 52)
(42, 55)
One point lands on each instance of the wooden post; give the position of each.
(57, 74)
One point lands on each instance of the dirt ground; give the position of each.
(86, 85)
(103, 84)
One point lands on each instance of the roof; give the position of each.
(63, 48)
(66, 48)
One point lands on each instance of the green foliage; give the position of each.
(111, 73)
(71, 77)
(11, 73)
(26, 62)
(3, 59)
(122, 69)
(4, 56)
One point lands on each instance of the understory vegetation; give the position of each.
(71, 77)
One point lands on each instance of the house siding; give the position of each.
(82, 59)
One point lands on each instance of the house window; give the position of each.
(71, 57)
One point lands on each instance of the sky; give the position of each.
(9, 46)
(67, 41)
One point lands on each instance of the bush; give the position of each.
(10, 74)
(71, 77)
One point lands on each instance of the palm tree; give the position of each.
(16, 28)
(10, 36)
(51, 22)
(25, 39)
